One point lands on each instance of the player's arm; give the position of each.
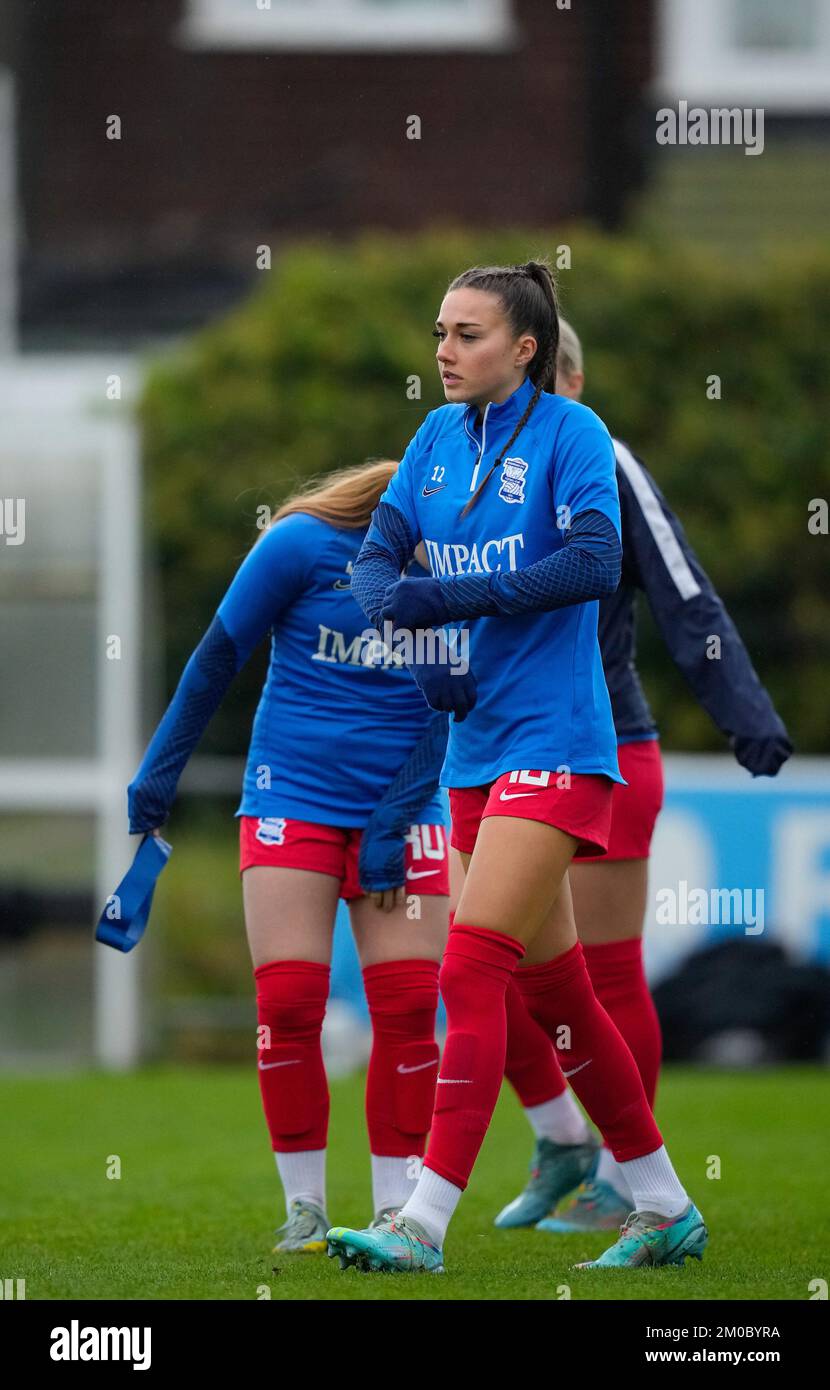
(586, 567)
(381, 862)
(387, 550)
(392, 536)
(384, 554)
(271, 576)
(700, 635)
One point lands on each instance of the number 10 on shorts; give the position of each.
(426, 842)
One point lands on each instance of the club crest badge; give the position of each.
(512, 487)
(271, 830)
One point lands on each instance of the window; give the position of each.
(769, 53)
(318, 25)
(773, 27)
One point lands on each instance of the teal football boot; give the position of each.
(398, 1246)
(594, 1206)
(384, 1215)
(303, 1232)
(647, 1238)
(555, 1169)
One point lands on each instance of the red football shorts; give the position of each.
(578, 803)
(635, 808)
(280, 843)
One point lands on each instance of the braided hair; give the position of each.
(528, 297)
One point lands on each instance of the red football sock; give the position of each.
(619, 981)
(474, 975)
(531, 1065)
(291, 1003)
(400, 1086)
(595, 1059)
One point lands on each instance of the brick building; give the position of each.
(244, 122)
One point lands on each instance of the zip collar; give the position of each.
(496, 416)
(505, 413)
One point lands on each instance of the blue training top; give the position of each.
(539, 547)
(331, 732)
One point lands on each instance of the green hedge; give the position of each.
(311, 373)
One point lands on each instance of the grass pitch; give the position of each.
(192, 1214)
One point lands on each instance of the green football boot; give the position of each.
(555, 1169)
(303, 1232)
(594, 1206)
(398, 1246)
(647, 1238)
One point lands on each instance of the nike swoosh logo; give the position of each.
(420, 1067)
(266, 1066)
(428, 491)
(513, 796)
(451, 1081)
(423, 873)
(579, 1068)
(341, 584)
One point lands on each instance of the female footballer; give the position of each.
(512, 491)
(609, 893)
(339, 800)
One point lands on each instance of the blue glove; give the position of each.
(414, 603)
(761, 756)
(442, 686)
(145, 809)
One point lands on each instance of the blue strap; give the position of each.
(121, 924)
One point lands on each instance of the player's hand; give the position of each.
(381, 862)
(389, 898)
(453, 691)
(414, 603)
(763, 757)
(146, 813)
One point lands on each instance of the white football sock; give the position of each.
(560, 1120)
(654, 1184)
(432, 1205)
(608, 1170)
(393, 1180)
(303, 1176)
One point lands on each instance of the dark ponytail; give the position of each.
(528, 297)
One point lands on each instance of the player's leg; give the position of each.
(664, 1226)
(289, 919)
(531, 1066)
(610, 896)
(400, 952)
(565, 1147)
(609, 903)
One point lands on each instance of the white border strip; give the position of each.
(664, 537)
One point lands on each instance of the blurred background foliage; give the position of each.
(313, 371)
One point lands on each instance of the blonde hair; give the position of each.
(346, 497)
(569, 355)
